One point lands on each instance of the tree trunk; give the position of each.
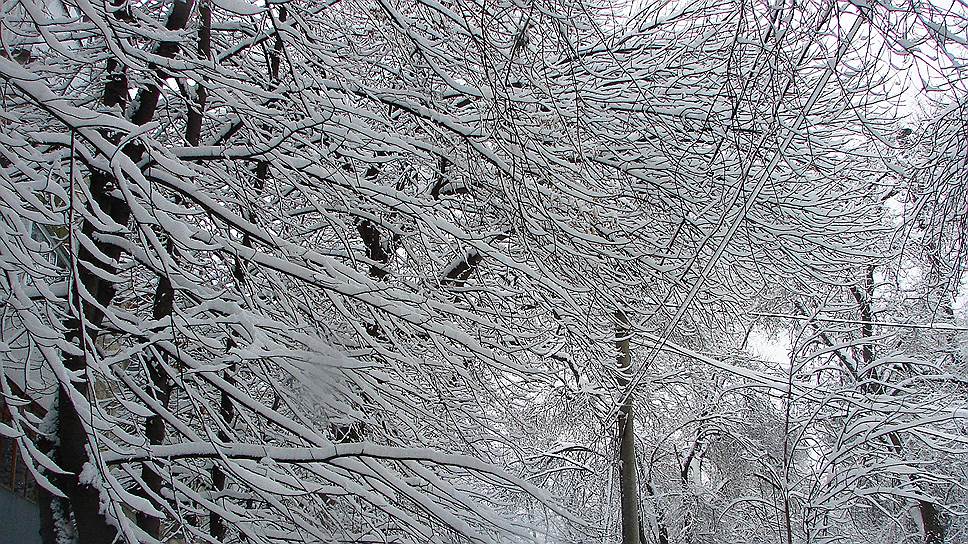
(626, 434)
(72, 443)
(163, 305)
(934, 531)
(216, 525)
(163, 302)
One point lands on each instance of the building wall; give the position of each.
(19, 513)
(19, 519)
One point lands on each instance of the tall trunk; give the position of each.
(216, 525)
(626, 434)
(72, 441)
(933, 528)
(160, 389)
(934, 531)
(155, 432)
(164, 298)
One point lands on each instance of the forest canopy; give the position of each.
(486, 270)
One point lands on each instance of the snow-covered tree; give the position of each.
(357, 271)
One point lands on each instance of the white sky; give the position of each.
(774, 348)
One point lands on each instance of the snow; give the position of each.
(239, 7)
(704, 170)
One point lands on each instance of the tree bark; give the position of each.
(72, 440)
(626, 434)
(162, 306)
(216, 525)
(163, 302)
(934, 531)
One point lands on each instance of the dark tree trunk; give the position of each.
(155, 425)
(934, 531)
(73, 440)
(72, 444)
(216, 525)
(163, 303)
(626, 434)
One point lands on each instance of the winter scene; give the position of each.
(484, 271)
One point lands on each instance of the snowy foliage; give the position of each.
(348, 271)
